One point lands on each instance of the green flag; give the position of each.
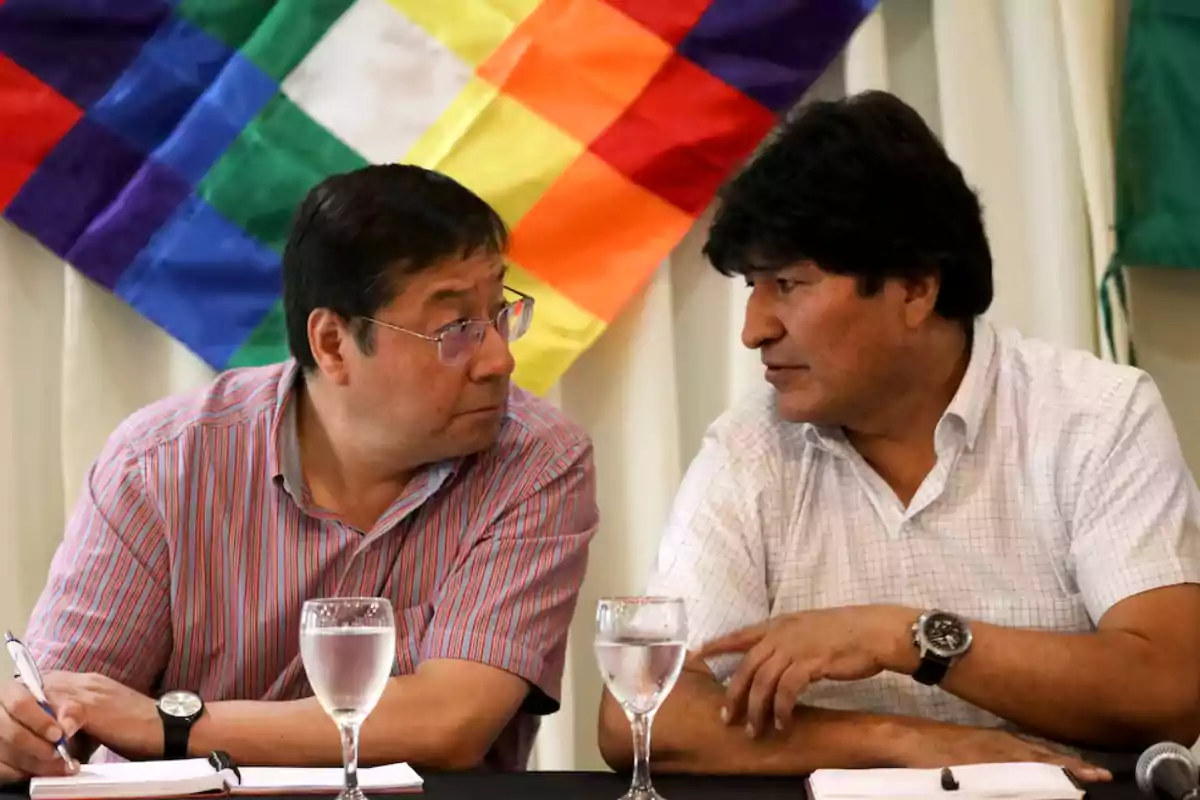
(1158, 146)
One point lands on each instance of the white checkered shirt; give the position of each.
(1059, 490)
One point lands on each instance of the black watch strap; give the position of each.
(931, 670)
(176, 732)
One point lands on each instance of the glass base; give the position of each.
(647, 793)
(351, 794)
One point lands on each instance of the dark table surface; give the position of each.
(607, 786)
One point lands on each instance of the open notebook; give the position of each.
(1014, 781)
(214, 775)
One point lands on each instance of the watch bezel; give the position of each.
(181, 693)
(925, 644)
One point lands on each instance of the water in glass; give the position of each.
(348, 668)
(348, 645)
(640, 647)
(640, 672)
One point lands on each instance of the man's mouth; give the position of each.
(781, 372)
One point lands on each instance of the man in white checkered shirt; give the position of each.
(925, 533)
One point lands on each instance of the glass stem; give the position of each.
(640, 725)
(350, 758)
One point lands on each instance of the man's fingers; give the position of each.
(23, 750)
(760, 701)
(70, 717)
(739, 685)
(10, 775)
(736, 642)
(11, 690)
(28, 734)
(1082, 770)
(792, 684)
(24, 709)
(692, 662)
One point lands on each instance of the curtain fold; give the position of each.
(1055, 224)
(867, 55)
(976, 113)
(114, 361)
(1089, 56)
(31, 486)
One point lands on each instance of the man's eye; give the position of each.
(457, 325)
(782, 285)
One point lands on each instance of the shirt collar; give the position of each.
(283, 454)
(967, 407)
(970, 402)
(284, 451)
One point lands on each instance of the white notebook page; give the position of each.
(124, 779)
(1014, 780)
(398, 776)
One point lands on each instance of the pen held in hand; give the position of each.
(29, 675)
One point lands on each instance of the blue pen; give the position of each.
(29, 674)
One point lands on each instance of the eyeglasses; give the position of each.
(458, 342)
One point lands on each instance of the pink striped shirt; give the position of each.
(194, 545)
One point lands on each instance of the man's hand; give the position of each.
(116, 716)
(27, 736)
(784, 655)
(926, 744)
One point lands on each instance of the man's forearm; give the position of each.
(408, 724)
(1109, 689)
(689, 736)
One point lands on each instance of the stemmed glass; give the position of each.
(640, 646)
(348, 645)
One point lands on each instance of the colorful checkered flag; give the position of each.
(162, 147)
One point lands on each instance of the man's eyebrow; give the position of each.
(447, 295)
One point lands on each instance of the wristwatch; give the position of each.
(179, 710)
(941, 638)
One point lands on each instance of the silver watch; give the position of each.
(941, 638)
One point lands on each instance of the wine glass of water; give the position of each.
(640, 647)
(348, 645)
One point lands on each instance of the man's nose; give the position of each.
(762, 325)
(495, 358)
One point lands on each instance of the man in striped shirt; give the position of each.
(391, 458)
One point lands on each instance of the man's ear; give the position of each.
(329, 336)
(920, 298)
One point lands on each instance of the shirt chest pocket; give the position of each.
(411, 626)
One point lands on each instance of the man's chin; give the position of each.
(476, 431)
(798, 409)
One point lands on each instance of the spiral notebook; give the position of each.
(215, 775)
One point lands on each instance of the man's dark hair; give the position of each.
(358, 235)
(861, 187)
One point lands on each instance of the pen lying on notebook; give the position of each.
(28, 672)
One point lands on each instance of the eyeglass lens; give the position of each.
(512, 323)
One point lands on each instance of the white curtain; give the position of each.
(1020, 91)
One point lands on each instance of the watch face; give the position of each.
(179, 703)
(946, 634)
